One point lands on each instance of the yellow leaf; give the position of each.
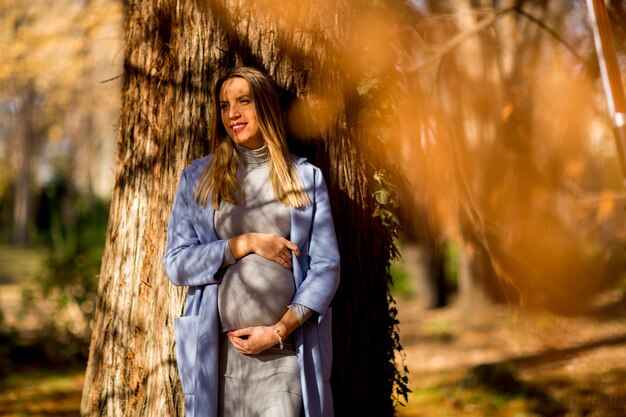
(606, 206)
(507, 111)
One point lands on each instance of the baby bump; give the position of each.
(254, 292)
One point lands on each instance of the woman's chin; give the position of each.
(250, 142)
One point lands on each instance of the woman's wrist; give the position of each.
(241, 245)
(280, 337)
(287, 323)
(283, 329)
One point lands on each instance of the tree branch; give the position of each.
(551, 32)
(486, 22)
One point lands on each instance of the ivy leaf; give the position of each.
(366, 85)
(382, 196)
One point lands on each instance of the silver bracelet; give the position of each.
(280, 339)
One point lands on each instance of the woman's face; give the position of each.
(238, 112)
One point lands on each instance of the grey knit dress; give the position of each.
(255, 291)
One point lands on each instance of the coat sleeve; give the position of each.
(187, 260)
(321, 279)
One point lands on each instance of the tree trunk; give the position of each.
(416, 260)
(476, 282)
(174, 52)
(22, 208)
(424, 263)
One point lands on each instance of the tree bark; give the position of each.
(174, 52)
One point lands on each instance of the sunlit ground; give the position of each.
(509, 362)
(500, 361)
(503, 363)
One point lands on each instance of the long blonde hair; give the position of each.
(219, 178)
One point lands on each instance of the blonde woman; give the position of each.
(251, 234)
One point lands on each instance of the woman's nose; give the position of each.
(233, 112)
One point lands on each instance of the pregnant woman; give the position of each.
(251, 234)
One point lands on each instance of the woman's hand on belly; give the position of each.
(253, 340)
(272, 247)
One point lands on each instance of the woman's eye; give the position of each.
(244, 101)
(223, 107)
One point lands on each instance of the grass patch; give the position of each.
(38, 393)
(18, 264)
(489, 390)
(439, 329)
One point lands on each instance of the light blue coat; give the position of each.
(193, 257)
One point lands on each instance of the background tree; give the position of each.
(174, 52)
(55, 58)
(509, 151)
(56, 149)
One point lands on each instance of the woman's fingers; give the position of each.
(293, 247)
(240, 332)
(285, 260)
(275, 248)
(284, 252)
(252, 340)
(240, 344)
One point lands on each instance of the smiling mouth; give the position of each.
(238, 127)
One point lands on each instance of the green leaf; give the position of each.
(382, 196)
(365, 86)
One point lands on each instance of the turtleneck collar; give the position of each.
(253, 156)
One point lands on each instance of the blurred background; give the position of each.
(507, 194)
(60, 80)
